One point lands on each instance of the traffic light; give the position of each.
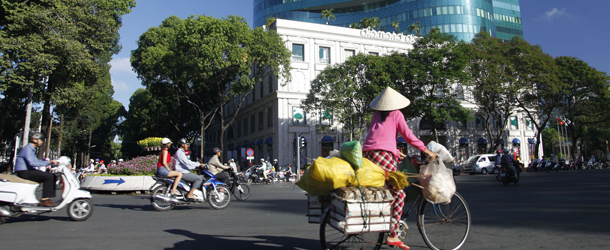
(302, 142)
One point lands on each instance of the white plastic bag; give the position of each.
(440, 151)
(437, 182)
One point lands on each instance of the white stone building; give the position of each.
(267, 122)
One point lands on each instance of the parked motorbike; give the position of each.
(18, 196)
(215, 192)
(533, 166)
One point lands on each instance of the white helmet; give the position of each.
(165, 141)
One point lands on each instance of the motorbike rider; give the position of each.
(184, 166)
(263, 168)
(232, 165)
(498, 158)
(217, 168)
(509, 163)
(26, 164)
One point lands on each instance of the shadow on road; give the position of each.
(202, 241)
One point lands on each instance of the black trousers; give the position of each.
(47, 180)
(223, 176)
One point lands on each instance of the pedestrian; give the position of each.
(232, 165)
(380, 147)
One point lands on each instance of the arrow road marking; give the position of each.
(119, 181)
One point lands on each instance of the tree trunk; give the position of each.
(60, 136)
(88, 148)
(202, 136)
(45, 128)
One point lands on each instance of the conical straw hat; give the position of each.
(388, 100)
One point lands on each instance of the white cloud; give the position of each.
(119, 86)
(120, 64)
(555, 13)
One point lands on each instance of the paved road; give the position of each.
(565, 210)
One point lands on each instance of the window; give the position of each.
(260, 120)
(374, 53)
(298, 116)
(349, 53)
(529, 125)
(298, 52)
(462, 124)
(238, 126)
(480, 122)
(270, 117)
(324, 56)
(252, 126)
(246, 126)
(514, 123)
(270, 83)
(261, 89)
(326, 118)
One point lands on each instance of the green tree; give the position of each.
(372, 22)
(51, 46)
(415, 28)
(345, 91)
(585, 96)
(207, 62)
(396, 26)
(435, 65)
(491, 78)
(535, 74)
(328, 14)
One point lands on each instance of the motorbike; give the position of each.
(257, 177)
(18, 196)
(215, 192)
(533, 166)
(240, 191)
(286, 176)
(506, 176)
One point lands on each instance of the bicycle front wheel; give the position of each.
(331, 238)
(241, 192)
(444, 226)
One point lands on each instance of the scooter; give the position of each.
(18, 196)
(215, 192)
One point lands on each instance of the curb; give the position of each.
(118, 183)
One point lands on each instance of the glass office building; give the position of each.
(462, 18)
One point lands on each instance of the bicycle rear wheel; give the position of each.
(241, 192)
(444, 226)
(331, 238)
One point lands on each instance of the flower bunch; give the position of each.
(143, 165)
(150, 142)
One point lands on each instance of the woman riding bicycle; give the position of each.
(380, 147)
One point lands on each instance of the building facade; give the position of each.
(272, 117)
(462, 18)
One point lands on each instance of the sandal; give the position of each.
(398, 244)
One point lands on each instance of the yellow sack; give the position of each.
(325, 175)
(369, 175)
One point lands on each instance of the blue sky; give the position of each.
(561, 27)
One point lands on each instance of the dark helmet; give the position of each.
(216, 150)
(36, 135)
(506, 151)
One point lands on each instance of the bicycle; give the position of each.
(441, 227)
(240, 191)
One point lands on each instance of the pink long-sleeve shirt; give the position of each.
(382, 134)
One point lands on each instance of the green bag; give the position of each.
(351, 151)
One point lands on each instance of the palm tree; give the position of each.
(415, 28)
(327, 14)
(396, 26)
(373, 22)
(354, 26)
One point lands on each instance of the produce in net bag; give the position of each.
(437, 182)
